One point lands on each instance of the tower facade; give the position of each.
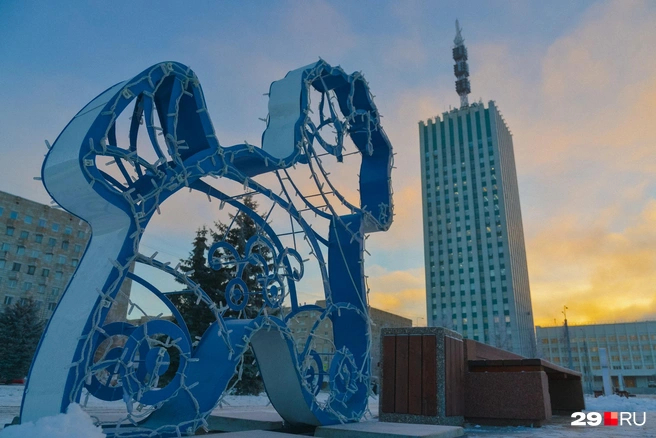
(475, 258)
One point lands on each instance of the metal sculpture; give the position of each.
(77, 353)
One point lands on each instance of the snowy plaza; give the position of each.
(559, 426)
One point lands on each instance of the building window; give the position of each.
(8, 300)
(27, 286)
(16, 267)
(61, 259)
(51, 306)
(74, 262)
(31, 269)
(78, 248)
(35, 254)
(55, 291)
(2, 263)
(52, 241)
(48, 257)
(10, 231)
(64, 244)
(59, 275)
(80, 234)
(24, 234)
(42, 288)
(1, 210)
(13, 215)
(68, 230)
(28, 219)
(6, 247)
(38, 238)
(45, 272)
(42, 222)
(20, 250)
(12, 284)
(55, 227)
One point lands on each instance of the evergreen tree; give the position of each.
(214, 282)
(20, 331)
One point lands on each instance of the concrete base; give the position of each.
(510, 398)
(376, 429)
(243, 421)
(251, 434)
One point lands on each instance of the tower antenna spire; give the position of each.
(461, 68)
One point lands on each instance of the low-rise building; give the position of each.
(322, 341)
(631, 350)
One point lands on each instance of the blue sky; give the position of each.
(576, 82)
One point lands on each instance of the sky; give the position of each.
(575, 81)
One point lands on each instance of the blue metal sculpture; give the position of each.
(75, 354)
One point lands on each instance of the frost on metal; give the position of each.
(314, 112)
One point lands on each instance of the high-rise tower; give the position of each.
(476, 272)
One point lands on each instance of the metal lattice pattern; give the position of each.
(82, 353)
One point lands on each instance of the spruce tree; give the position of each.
(20, 331)
(198, 317)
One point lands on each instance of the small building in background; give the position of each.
(631, 349)
(322, 341)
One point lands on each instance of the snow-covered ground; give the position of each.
(74, 424)
(12, 395)
(77, 423)
(560, 426)
(641, 403)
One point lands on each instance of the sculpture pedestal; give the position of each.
(423, 376)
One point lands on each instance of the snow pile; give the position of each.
(615, 403)
(74, 424)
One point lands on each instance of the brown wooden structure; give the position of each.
(432, 375)
(423, 376)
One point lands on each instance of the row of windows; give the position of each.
(603, 339)
(645, 347)
(30, 268)
(27, 286)
(648, 366)
(38, 238)
(464, 185)
(9, 300)
(42, 223)
(621, 359)
(472, 289)
(463, 305)
(472, 292)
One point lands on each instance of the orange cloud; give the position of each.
(600, 274)
(399, 292)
